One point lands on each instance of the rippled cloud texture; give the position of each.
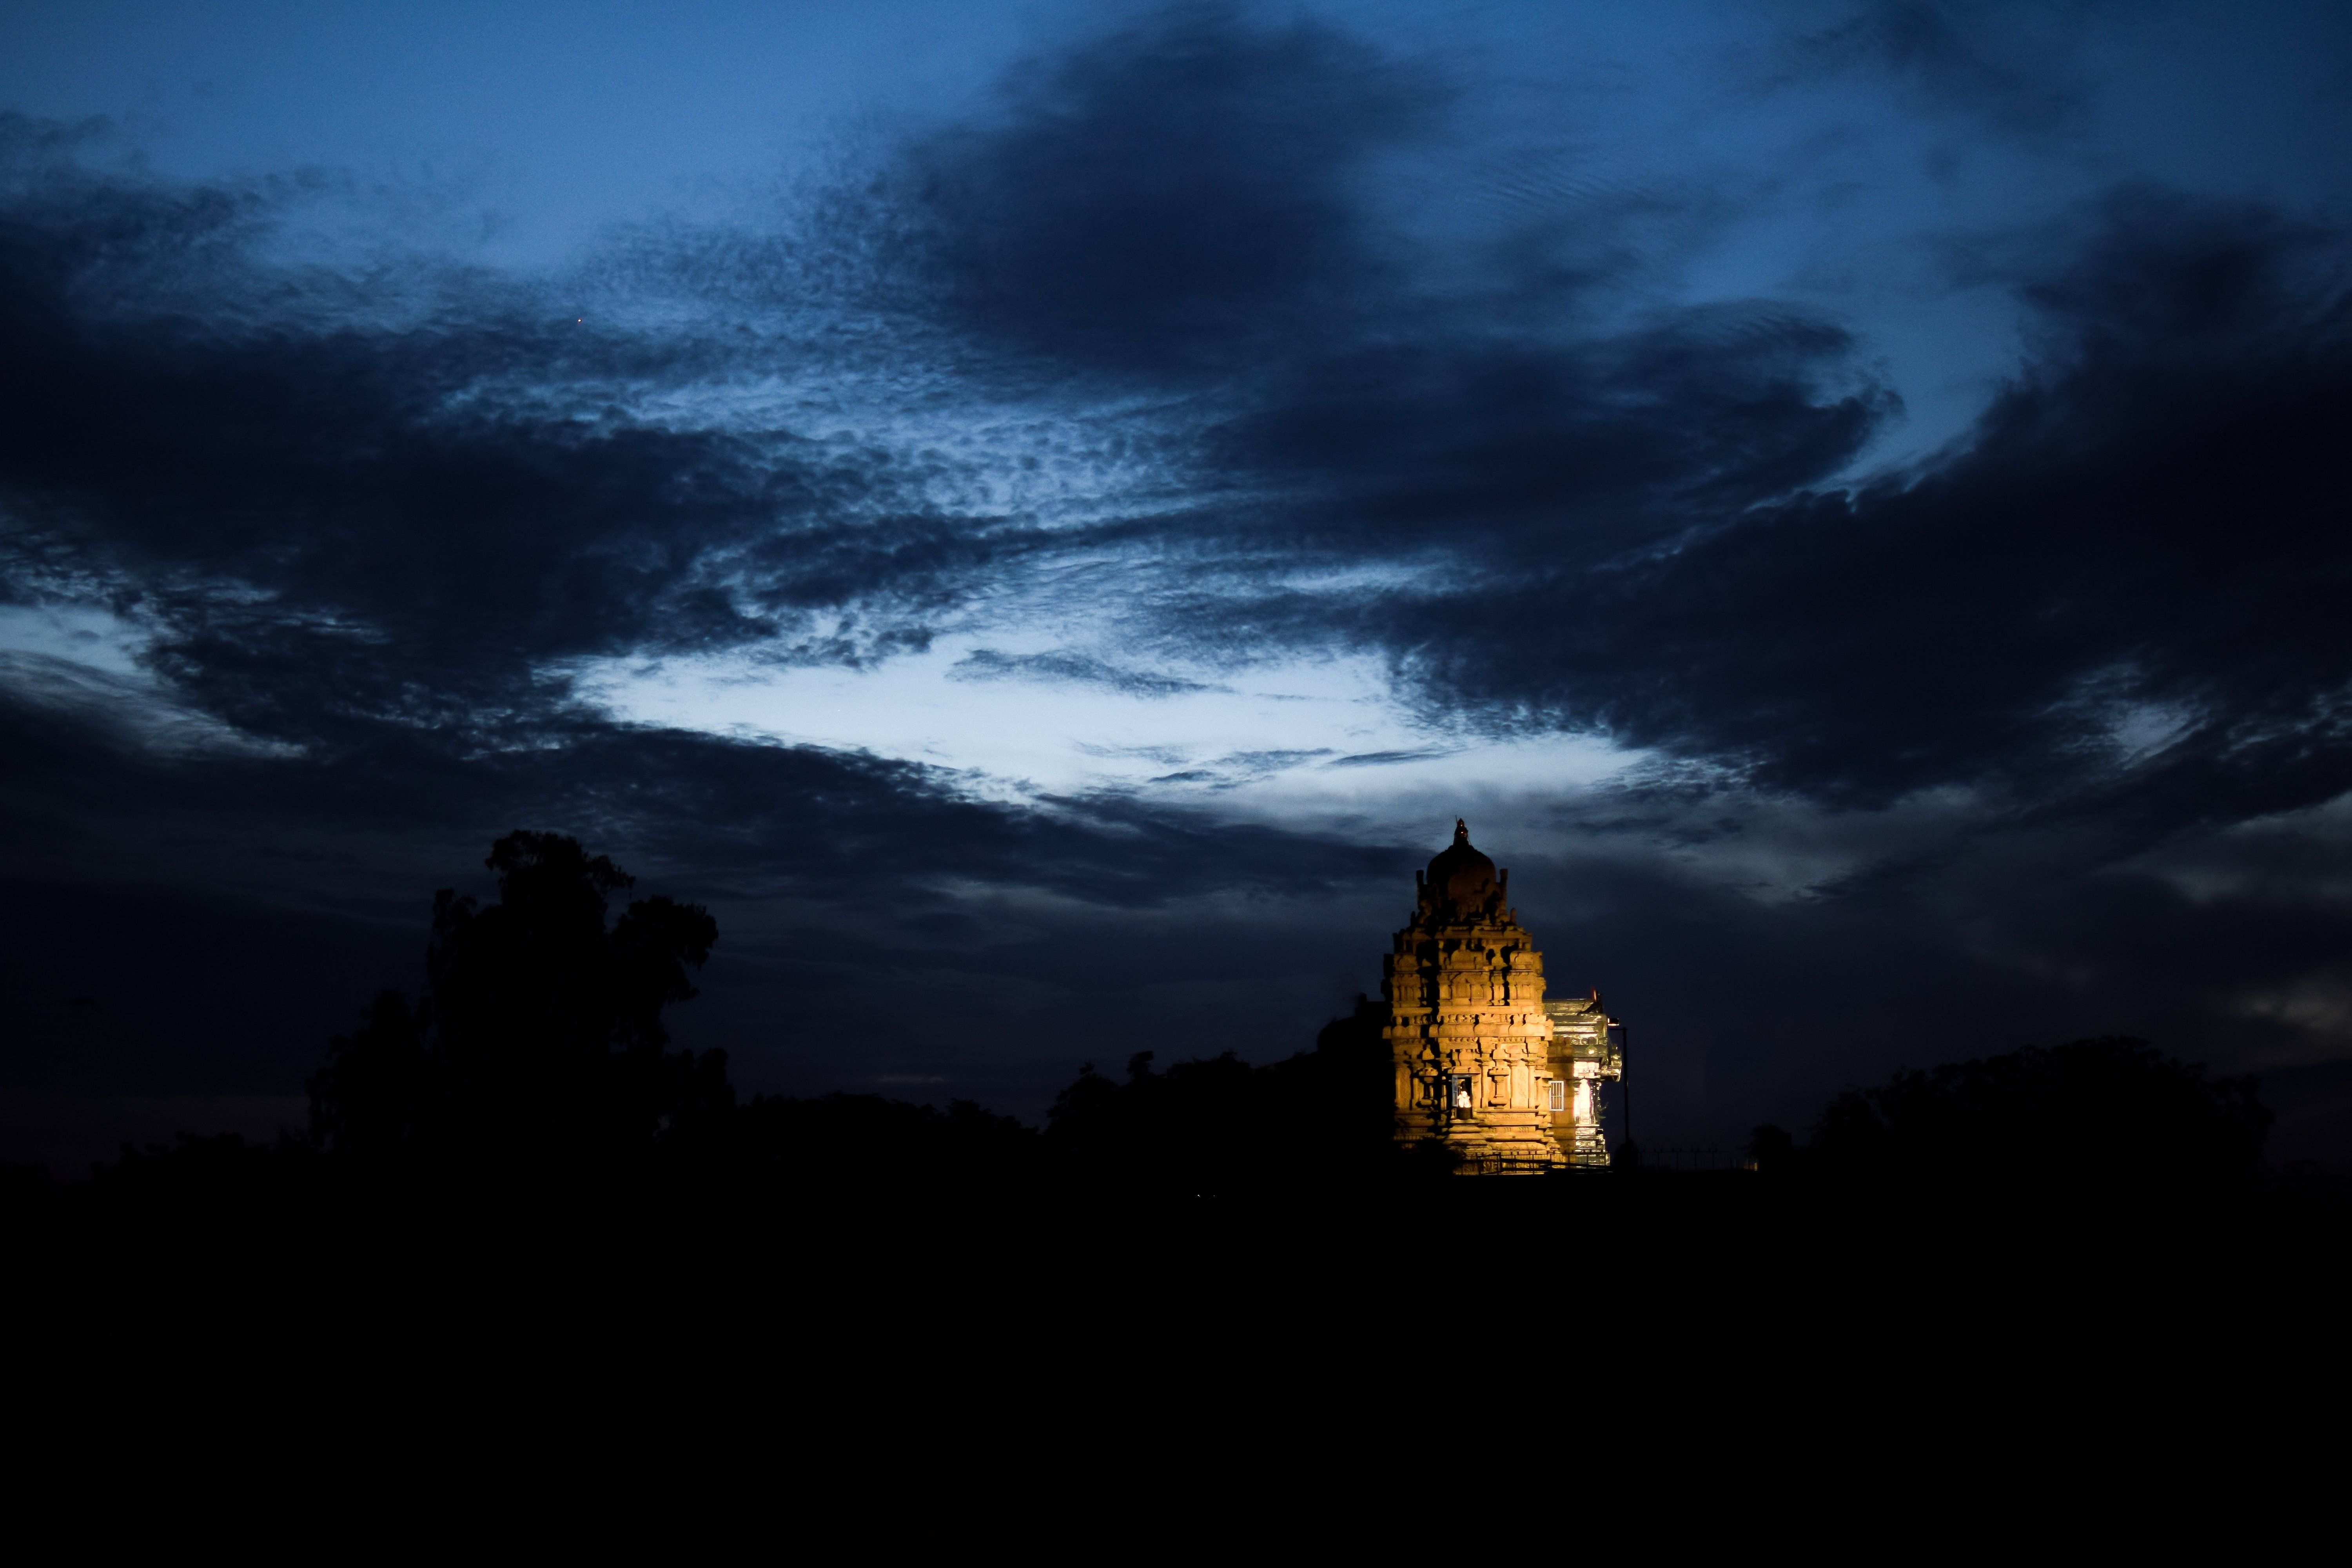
(1853, 515)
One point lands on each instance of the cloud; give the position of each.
(134, 709)
(339, 524)
(1387, 759)
(988, 664)
(1237, 769)
(2142, 523)
(303, 488)
(342, 515)
(1179, 196)
(1472, 450)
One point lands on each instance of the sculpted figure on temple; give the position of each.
(1465, 988)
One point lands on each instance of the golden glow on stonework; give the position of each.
(1483, 1062)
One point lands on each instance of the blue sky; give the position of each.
(1793, 476)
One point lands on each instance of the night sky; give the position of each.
(1042, 515)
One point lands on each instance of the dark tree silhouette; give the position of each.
(2112, 1111)
(1220, 1125)
(537, 1034)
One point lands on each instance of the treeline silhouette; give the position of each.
(533, 1053)
(533, 1056)
(2109, 1111)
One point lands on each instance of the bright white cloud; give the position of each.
(1317, 736)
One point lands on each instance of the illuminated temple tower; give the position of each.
(1483, 1061)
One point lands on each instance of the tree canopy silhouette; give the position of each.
(536, 1034)
(1220, 1125)
(2110, 1111)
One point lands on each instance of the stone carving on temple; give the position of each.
(1510, 1082)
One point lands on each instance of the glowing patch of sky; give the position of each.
(86, 659)
(85, 635)
(1318, 745)
(1307, 734)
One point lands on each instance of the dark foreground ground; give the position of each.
(1656, 1363)
(1574, 1263)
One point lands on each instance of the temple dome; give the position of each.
(1459, 873)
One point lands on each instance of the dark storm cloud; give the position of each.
(1182, 195)
(1487, 436)
(1614, 527)
(1486, 450)
(2143, 543)
(365, 537)
(1191, 205)
(299, 481)
(1630, 527)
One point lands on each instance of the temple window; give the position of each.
(1560, 1094)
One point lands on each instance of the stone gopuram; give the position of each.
(1483, 1061)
